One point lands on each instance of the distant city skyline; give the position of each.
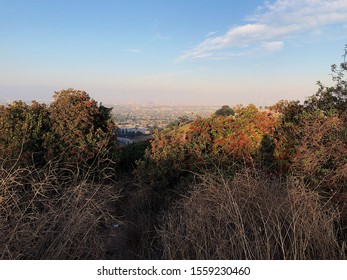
(195, 52)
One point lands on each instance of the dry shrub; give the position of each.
(55, 212)
(250, 216)
(321, 154)
(321, 157)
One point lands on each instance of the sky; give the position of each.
(196, 52)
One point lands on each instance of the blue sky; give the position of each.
(184, 52)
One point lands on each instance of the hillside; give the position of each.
(243, 183)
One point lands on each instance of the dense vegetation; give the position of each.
(73, 127)
(243, 183)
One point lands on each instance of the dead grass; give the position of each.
(58, 211)
(251, 216)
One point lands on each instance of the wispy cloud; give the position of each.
(211, 33)
(271, 26)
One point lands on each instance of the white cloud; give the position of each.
(272, 46)
(271, 25)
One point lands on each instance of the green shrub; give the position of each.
(81, 129)
(23, 129)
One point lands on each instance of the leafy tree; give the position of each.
(22, 130)
(218, 140)
(225, 111)
(179, 122)
(81, 129)
(332, 99)
(296, 120)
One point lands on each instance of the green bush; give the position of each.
(73, 127)
(23, 129)
(81, 129)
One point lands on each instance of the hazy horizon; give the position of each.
(44, 94)
(170, 52)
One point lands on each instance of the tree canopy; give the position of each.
(225, 111)
(73, 127)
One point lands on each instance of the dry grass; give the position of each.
(143, 207)
(59, 211)
(66, 211)
(251, 216)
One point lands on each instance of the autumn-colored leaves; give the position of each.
(225, 138)
(285, 137)
(73, 127)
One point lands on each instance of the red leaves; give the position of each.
(228, 138)
(78, 124)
